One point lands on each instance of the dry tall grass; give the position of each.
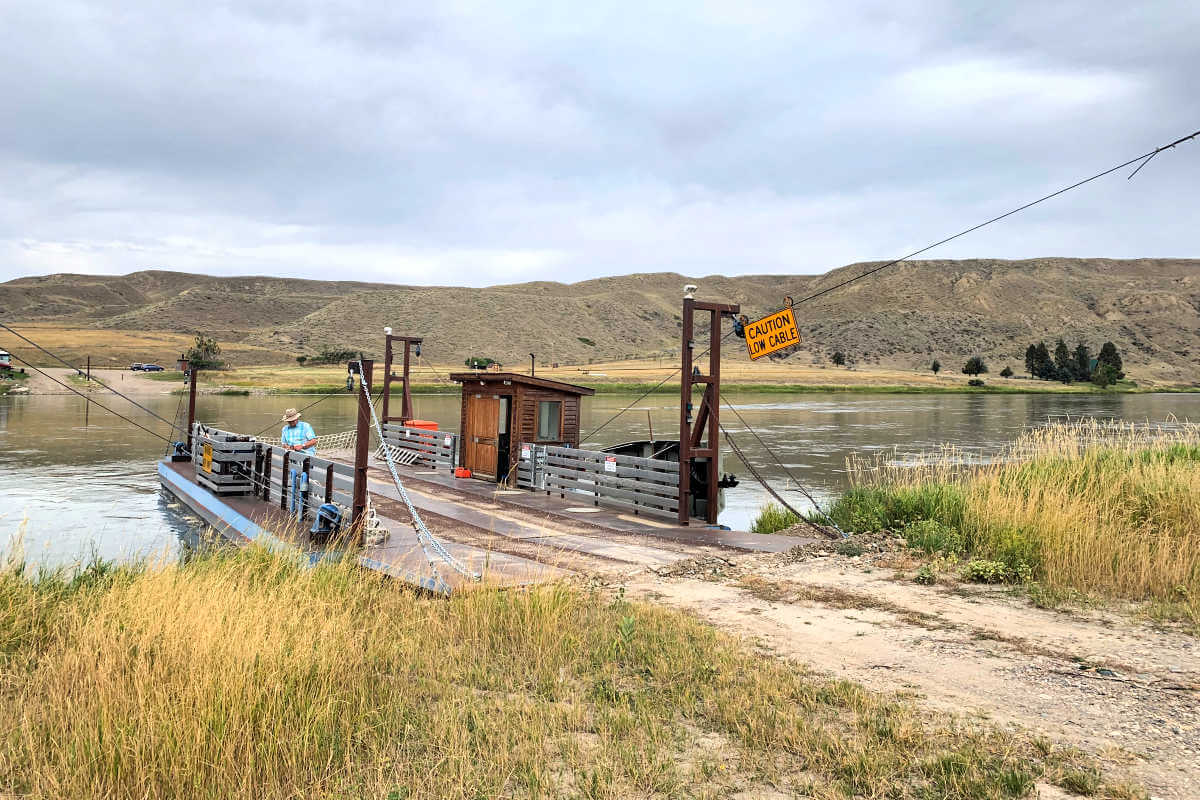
(249, 676)
(1099, 506)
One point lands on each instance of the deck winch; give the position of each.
(328, 520)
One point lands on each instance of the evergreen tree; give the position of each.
(974, 366)
(1082, 369)
(936, 366)
(1104, 375)
(839, 358)
(1031, 360)
(1006, 372)
(1063, 362)
(1110, 356)
(1045, 367)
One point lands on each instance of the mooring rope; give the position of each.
(424, 535)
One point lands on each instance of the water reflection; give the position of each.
(78, 479)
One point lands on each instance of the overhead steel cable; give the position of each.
(1017, 210)
(640, 398)
(91, 400)
(321, 399)
(80, 371)
(1144, 157)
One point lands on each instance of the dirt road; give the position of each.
(1121, 690)
(124, 381)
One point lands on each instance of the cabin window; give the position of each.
(549, 420)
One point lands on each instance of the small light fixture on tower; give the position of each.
(387, 331)
(689, 291)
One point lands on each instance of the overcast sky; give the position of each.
(462, 143)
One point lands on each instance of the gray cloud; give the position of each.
(481, 143)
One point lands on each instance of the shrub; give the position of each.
(925, 576)
(878, 508)
(987, 571)
(932, 536)
(1006, 372)
(773, 517)
(847, 547)
(975, 382)
(984, 571)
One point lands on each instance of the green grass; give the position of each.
(10, 379)
(619, 387)
(772, 518)
(1094, 508)
(245, 675)
(789, 388)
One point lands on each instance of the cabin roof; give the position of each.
(491, 378)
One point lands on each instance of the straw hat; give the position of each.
(290, 415)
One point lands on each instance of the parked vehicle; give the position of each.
(137, 365)
(151, 368)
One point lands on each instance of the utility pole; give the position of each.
(362, 445)
(532, 358)
(189, 371)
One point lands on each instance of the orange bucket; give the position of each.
(462, 472)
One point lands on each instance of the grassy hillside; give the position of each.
(903, 317)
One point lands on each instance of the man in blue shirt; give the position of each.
(298, 435)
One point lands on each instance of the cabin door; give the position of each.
(482, 441)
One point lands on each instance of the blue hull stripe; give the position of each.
(224, 519)
(236, 526)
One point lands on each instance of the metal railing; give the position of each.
(645, 485)
(435, 449)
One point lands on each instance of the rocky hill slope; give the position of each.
(904, 316)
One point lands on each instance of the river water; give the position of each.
(75, 480)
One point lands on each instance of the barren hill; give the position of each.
(904, 316)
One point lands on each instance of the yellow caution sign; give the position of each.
(772, 333)
(206, 459)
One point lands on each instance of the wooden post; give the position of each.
(685, 412)
(387, 375)
(406, 412)
(713, 396)
(191, 404)
(89, 368)
(406, 409)
(692, 444)
(362, 446)
(283, 479)
(266, 476)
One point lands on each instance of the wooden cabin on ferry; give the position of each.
(502, 410)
